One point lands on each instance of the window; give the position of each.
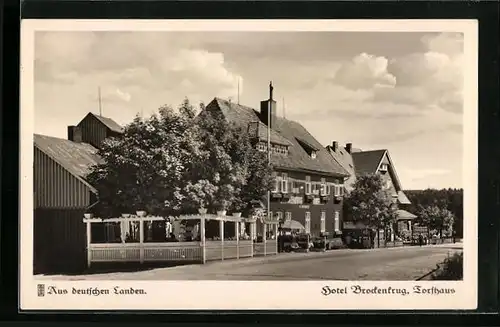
(337, 190)
(323, 221)
(308, 222)
(288, 216)
(316, 188)
(261, 146)
(308, 184)
(279, 216)
(270, 215)
(383, 167)
(277, 184)
(336, 221)
(323, 187)
(284, 183)
(313, 154)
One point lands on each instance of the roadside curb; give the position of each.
(429, 274)
(299, 255)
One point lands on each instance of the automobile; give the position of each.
(319, 243)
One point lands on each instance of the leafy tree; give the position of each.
(370, 203)
(239, 171)
(451, 199)
(143, 169)
(175, 161)
(435, 217)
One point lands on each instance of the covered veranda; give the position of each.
(141, 238)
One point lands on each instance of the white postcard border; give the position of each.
(238, 295)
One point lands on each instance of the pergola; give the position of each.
(195, 251)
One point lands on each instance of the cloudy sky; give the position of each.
(397, 91)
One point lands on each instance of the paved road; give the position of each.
(406, 263)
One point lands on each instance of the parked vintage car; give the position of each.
(294, 243)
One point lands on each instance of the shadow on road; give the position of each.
(125, 267)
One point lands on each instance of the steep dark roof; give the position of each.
(345, 160)
(109, 123)
(243, 116)
(287, 132)
(360, 162)
(76, 158)
(367, 162)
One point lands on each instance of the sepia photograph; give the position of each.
(245, 153)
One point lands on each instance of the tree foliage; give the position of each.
(176, 161)
(240, 172)
(370, 202)
(144, 168)
(435, 217)
(450, 199)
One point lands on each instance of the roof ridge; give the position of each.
(64, 139)
(367, 151)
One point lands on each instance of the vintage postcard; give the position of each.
(249, 164)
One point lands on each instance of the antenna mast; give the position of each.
(284, 108)
(100, 104)
(238, 90)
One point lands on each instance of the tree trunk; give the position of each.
(378, 237)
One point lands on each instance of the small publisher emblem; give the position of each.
(41, 289)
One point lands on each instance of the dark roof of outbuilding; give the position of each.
(287, 132)
(108, 122)
(76, 158)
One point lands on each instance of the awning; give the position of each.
(405, 215)
(293, 224)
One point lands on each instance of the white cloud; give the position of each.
(365, 71)
(433, 78)
(134, 71)
(123, 95)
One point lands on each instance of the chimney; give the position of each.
(75, 134)
(335, 146)
(267, 105)
(348, 147)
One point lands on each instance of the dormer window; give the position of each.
(311, 150)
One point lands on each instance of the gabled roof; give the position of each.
(287, 132)
(76, 158)
(108, 122)
(360, 162)
(367, 162)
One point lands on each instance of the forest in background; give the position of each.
(450, 198)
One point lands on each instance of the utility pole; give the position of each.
(269, 117)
